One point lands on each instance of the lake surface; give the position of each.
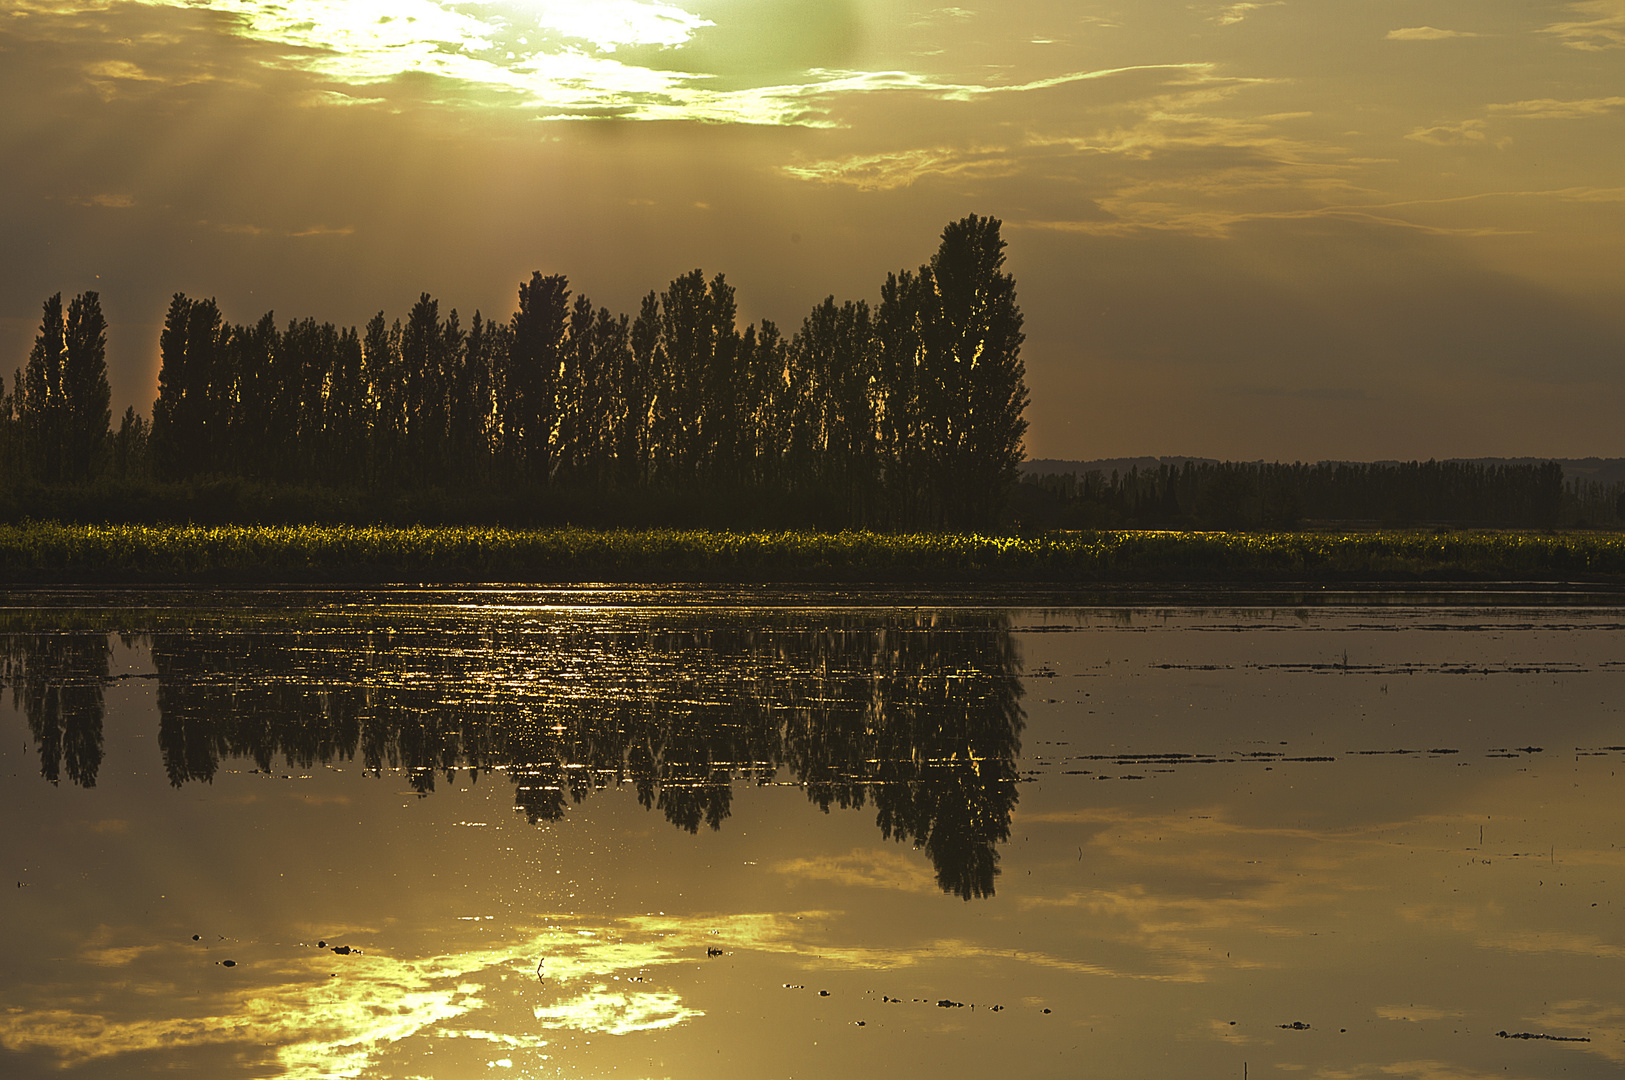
(667, 833)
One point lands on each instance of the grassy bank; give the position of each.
(48, 552)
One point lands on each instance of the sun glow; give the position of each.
(607, 24)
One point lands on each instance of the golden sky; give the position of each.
(1280, 229)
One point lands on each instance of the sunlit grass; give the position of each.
(53, 552)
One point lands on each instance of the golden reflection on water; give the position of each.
(1280, 898)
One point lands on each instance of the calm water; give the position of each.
(673, 834)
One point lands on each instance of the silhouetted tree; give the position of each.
(530, 383)
(190, 417)
(62, 399)
(974, 379)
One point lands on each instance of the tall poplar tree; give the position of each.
(63, 399)
(531, 381)
(973, 361)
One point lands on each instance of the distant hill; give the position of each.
(1598, 470)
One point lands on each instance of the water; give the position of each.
(662, 833)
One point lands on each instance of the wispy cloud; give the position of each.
(1426, 33)
(886, 171)
(1465, 133)
(1236, 13)
(1601, 26)
(306, 232)
(107, 201)
(1554, 109)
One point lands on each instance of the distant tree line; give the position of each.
(1261, 495)
(906, 414)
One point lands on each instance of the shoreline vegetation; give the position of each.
(36, 553)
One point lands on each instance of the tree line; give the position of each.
(1274, 495)
(908, 413)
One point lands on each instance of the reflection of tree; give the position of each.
(925, 720)
(920, 717)
(56, 680)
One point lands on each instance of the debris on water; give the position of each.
(321, 944)
(345, 950)
(860, 1023)
(197, 937)
(823, 993)
(1046, 1010)
(795, 986)
(996, 1008)
(946, 1004)
(711, 951)
(228, 963)
(1533, 1035)
(1296, 1025)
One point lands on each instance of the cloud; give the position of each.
(1604, 28)
(1426, 33)
(119, 69)
(885, 171)
(108, 201)
(1236, 13)
(608, 24)
(1553, 109)
(1466, 133)
(249, 229)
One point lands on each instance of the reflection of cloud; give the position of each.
(1603, 29)
(1427, 1070)
(320, 1026)
(1416, 1013)
(1603, 1023)
(872, 868)
(599, 1011)
(1426, 33)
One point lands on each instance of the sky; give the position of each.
(1283, 229)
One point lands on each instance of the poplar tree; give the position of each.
(62, 399)
(531, 381)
